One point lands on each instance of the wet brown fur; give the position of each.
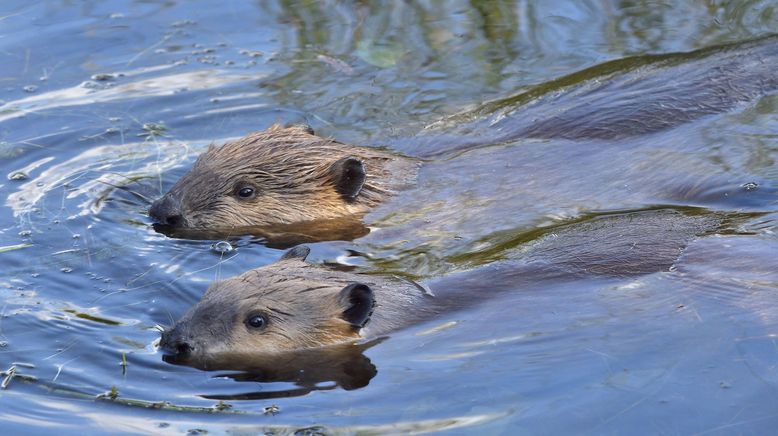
(291, 167)
(290, 170)
(301, 305)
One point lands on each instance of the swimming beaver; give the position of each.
(291, 176)
(280, 176)
(291, 305)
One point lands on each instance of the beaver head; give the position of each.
(285, 306)
(279, 176)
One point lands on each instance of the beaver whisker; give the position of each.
(129, 191)
(276, 332)
(302, 291)
(279, 311)
(172, 320)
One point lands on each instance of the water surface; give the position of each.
(103, 105)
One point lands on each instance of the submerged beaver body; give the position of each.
(292, 305)
(284, 177)
(471, 199)
(636, 96)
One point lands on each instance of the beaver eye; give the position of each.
(256, 321)
(246, 193)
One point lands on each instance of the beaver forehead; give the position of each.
(288, 145)
(285, 288)
(294, 270)
(267, 167)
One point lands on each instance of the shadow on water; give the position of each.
(341, 366)
(279, 236)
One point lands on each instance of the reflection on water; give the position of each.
(91, 93)
(341, 366)
(92, 175)
(281, 236)
(691, 350)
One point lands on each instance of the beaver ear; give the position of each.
(300, 252)
(348, 176)
(357, 302)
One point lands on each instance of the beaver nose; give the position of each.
(167, 211)
(174, 343)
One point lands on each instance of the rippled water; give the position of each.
(103, 105)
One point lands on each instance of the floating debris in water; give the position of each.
(222, 247)
(18, 175)
(14, 247)
(76, 236)
(221, 405)
(30, 88)
(116, 15)
(124, 363)
(251, 53)
(112, 394)
(750, 186)
(271, 410)
(208, 60)
(9, 375)
(103, 77)
(25, 233)
(204, 51)
(153, 129)
(66, 270)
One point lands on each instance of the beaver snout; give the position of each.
(167, 211)
(174, 342)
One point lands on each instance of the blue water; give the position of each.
(103, 105)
